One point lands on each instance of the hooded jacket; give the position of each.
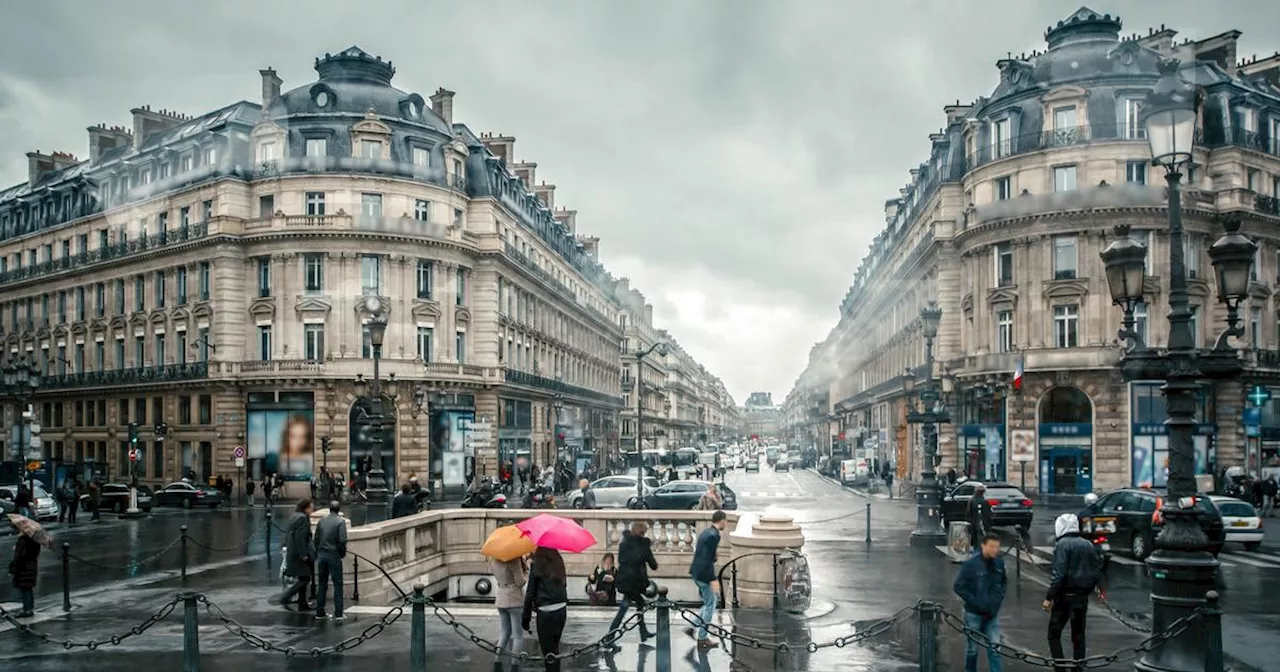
(1077, 564)
(635, 559)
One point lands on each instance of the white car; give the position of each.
(46, 506)
(1240, 521)
(613, 492)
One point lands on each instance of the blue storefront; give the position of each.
(1149, 440)
(1065, 438)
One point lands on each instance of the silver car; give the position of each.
(613, 492)
(46, 506)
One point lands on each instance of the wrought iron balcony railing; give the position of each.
(533, 380)
(117, 250)
(134, 376)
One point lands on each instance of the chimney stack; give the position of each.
(39, 165)
(442, 105)
(270, 87)
(147, 121)
(648, 313)
(103, 138)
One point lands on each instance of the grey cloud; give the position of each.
(740, 150)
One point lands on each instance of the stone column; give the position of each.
(769, 535)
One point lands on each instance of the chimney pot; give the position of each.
(270, 86)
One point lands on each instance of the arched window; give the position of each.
(1066, 405)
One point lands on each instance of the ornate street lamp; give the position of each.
(661, 348)
(1181, 567)
(21, 379)
(931, 414)
(377, 478)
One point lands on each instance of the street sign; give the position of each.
(239, 463)
(1022, 445)
(133, 454)
(238, 453)
(481, 435)
(1259, 395)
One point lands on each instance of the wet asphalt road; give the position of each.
(855, 583)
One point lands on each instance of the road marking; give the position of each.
(1248, 561)
(1255, 554)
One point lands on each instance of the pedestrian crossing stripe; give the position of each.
(1225, 558)
(770, 495)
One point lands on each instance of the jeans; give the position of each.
(1268, 504)
(990, 628)
(623, 605)
(511, 633)
(28, 596)
(550, 628)
(329, 568)
(1071, 609)
(708, 611)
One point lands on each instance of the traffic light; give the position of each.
(133, 435)
(326, 443)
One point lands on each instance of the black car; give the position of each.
(1009, 506)
(188, 495)
(115, 497)
(1128, 520)
(684, 495)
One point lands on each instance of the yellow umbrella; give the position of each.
(507, 544)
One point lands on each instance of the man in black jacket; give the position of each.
(635, 559)
(978, 515)
(404, 503)
(1077, 566)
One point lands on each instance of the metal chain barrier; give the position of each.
(874, 630)
(264, 644)
(1097, 661)
(93, 644)
(1124, 620)
(235, 547)
(463, 630)
(133, 565)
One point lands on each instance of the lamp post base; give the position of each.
(1179, 582)
(928, 515)
(133, 511)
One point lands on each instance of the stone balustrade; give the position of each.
(441, 549)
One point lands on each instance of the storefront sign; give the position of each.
(1160, 429)
(1081, 429)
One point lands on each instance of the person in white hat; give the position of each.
(1077, 568)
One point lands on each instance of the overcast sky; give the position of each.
(734, 157)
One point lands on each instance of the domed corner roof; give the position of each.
(353, 82)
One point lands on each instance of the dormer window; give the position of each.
(322, 98)
(317, 147)
(267, 151)
(145, 176)
(421, 156)
(185, 163)
(370, 149)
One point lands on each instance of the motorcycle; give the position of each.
(538, 498)
(484, 495)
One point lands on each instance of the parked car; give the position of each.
(188, 495)
(1129, 519)
(1240, 522)
(115, 497)
(1009, 506)
(686, 494)
(46, 506)
(612, 492)
(752, 465)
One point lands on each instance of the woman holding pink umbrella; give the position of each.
(548, 596)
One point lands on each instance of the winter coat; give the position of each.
(1077, 563)
(703, 567)
(635, 559)
(25, 565)
(588, 498)
(331, 536)
(978, 515)
(301, 555)
(981, 584)
(403, 504)
(543, 591)
(510, 578)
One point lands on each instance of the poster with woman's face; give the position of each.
(284, 441)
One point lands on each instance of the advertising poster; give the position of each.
(284, 441)
(449, 441)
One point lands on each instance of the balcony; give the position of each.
(1043, 359)
(281, 223)
(1086, 198)
(1059, 137)
(1257, 141)
(136, 376)
(1267, 205)
(524, 260)
(533, 380)
(111, 252)
(311, 165)
(349, 367)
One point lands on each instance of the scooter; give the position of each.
(538, 498)
(486, 496)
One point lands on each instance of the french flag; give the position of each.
(1017, 376)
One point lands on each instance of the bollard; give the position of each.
(664, 630)
(868, 522)
(66, 576)
(269, 554)
(183, 553)
(418, 631)
(190, 633)
(928, 643)
(1212, 617)
(355, 578)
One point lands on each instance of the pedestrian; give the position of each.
(703, 572)
(403, 504)
(70, 500)
(1077, 568)
(331, 548)
(300, 555)
(314, 486)
(710, 500)
(25, 567)
(588, 500)
(1269, 489)
(266, 489)
(548, 596)
(980, 584)
(95, 500)
(978, 515)
(248, 490)
(601, 587)
(510, 578)
(951, 476)
(22, 502)
(635, 559)
(888, 480)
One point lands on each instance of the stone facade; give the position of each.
(204, 279)
(1002, 227)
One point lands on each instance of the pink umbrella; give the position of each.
(562, 534)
